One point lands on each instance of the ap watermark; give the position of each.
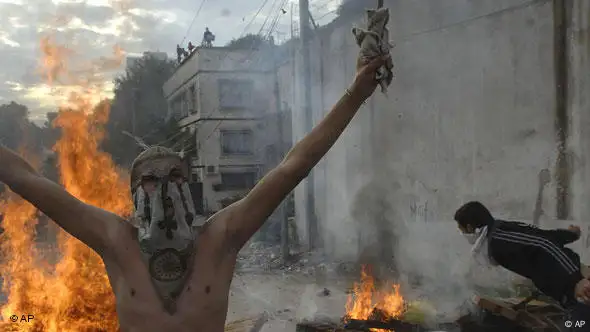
(574, 323)
(22, 318)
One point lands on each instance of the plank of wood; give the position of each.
(526, 319)
(322, 327)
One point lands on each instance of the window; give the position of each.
(194, 99)
(237, 142)
(185, 105)
(238, 181)
(236, 94)
(176, 106)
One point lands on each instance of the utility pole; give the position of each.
(305, 34)
(293, 57)
(282, 210)
(560, 42)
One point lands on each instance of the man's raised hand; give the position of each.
(365, 83)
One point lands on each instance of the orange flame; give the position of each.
(365, 298)
(74, 295)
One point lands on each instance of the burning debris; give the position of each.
(368, 303)
(369, 308)
(382, 309)
(74, 295)
(373, 309)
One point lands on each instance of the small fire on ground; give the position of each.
(369, 303)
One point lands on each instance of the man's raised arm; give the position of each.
(88, 224)
(246, 216)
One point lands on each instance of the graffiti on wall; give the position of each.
(419, 211)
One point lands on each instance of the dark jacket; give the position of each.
(539, 255)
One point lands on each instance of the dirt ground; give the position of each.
(287, 297)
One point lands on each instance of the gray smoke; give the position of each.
(430, 259)
(436, 265)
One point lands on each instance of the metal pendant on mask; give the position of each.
(166, 237)
(168, 265)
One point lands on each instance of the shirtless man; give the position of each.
(168, 275)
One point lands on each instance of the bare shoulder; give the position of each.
(214, 226)
(118, 231)
(216, 230)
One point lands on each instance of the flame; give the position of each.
(73, 295)
(365, 298)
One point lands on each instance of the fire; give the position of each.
(73, 295)
(366, 299)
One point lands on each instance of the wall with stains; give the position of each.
(579, 107)
(470, 116)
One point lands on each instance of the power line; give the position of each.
(253, 18)
(193, 21)
(509, 9)
(272, 27)
(276, 20)
(402, 39)
(326, 14)
(272, 9)
(320, 4)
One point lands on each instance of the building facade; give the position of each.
(225, 101)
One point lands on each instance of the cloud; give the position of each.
(90, 29)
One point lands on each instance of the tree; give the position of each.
(17, 132)
(139, 108)
(249, 41)
(13, 124)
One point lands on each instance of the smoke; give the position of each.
(430, 259)
(436, 264)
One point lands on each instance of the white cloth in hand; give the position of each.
(374, 42)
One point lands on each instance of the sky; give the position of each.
(94, 33)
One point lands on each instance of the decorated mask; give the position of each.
(164, 215)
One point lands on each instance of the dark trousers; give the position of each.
(578, 318)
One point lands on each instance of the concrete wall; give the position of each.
(579, 105)
(470, 115)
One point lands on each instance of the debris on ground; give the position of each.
(324, 292)
(262, 257)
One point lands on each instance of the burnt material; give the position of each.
(494, 315)
(322, 327)
(380, 320)
(391, 325)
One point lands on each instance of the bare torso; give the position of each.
(203, 304)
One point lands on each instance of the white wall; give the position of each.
(579, 104)
(470, 115)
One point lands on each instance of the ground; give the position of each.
(288, 298)
(288, 294)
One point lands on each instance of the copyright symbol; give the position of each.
(568, 323)
(13, 318)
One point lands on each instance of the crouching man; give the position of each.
(537, 254)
